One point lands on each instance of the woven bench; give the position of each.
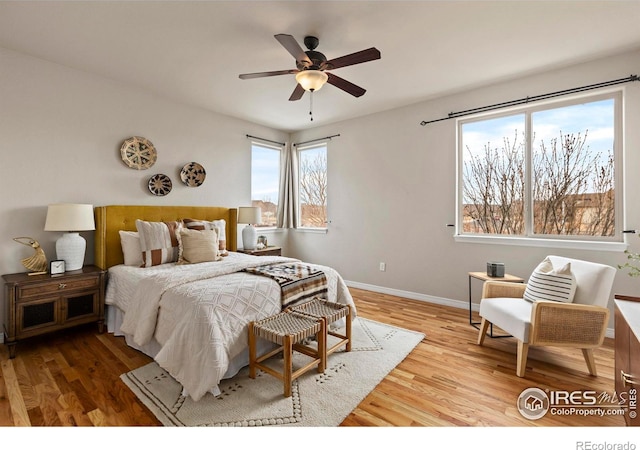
(328, 312)
(288, 330)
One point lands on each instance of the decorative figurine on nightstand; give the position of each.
(37, 263)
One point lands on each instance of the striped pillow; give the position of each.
(218, 225)
(158, 242)
(549, 283)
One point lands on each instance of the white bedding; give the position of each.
(198, 313)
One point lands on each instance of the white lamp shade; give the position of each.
(70, 217)
(311, 80)
(249, 214)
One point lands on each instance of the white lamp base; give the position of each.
(249, 237)
(71, 247)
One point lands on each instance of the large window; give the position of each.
(312, 177)
(546, 171)
(265, 181)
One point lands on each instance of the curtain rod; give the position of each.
(316, 140)
(534, 98)
(265, 140)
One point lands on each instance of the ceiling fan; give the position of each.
(311, 66)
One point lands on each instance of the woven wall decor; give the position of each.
(160, 184)
(138, 153)
(193, 174)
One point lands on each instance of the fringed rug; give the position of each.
(318, 399)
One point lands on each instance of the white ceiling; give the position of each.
(193, 51)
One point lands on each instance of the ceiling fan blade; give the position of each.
(363, 56)
(292, 46)
(345, 85)
(247, 76)
(297, 93)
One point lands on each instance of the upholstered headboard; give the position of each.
(111, 219)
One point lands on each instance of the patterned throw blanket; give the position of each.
(298, 281)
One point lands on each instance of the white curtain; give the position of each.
(288, 201)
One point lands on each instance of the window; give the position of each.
(546, 171)
(312, 175)
(265, 181)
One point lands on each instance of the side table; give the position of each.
(267, 251)
(484, 277)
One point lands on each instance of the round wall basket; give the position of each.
(160, 184)
(138, 153)
(193, 174)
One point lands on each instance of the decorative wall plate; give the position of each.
(193, 174)
(138, 153)
(160, 184)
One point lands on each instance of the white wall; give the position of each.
(60, 137)
(392, 191)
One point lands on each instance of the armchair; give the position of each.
(581, 324)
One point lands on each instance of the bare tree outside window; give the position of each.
(313, 187)
(572, 187)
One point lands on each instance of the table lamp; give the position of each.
(71, 218)
(249, 215)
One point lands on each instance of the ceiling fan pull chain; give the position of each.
(311, 105)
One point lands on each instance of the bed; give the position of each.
(190, 318)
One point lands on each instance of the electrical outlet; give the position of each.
(383, 267)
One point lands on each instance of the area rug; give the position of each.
(318, 399)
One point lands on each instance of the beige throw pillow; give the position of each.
(218, 225)
(198, 246)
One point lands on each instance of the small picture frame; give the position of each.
(56, 267)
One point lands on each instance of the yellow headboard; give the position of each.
(111, 219)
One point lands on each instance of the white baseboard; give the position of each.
(429, 298)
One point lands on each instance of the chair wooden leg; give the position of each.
(483, 330)
(523, 351)
(590, 360)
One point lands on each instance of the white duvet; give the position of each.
(199, 313)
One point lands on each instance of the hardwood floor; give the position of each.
(72, 378)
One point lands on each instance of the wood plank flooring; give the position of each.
(71, 378)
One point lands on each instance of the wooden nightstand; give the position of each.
(39, 304)
(269, 251)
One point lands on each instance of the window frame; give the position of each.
(606, 243)
(299, 150)
(279, 149)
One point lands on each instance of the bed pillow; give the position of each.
(551, 283)
(219, 225)
(158, 242)
(130, 242)
(198, 246)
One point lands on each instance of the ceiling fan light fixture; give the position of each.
(311, 80)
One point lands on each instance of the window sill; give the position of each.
(535, 242)
(269, 230)
(312, 230)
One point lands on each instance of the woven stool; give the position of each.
(287, 330)
(329, 312)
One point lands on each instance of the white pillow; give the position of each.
(130, 242)
(551, 283)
